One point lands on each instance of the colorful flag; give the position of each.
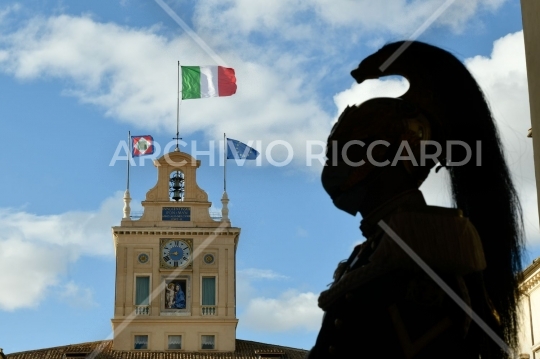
(142, 145)
(239, 150)
(207, 81)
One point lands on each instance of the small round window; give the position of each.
(209, 258)
(143, 258)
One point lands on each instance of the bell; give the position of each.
(177, 195)
(177, 189)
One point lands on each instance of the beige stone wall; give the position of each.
(530, 10)
(132, 243)
(204, 236)
(530, 300)
(529, 310)
(191, 332)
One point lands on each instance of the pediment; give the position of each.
(177, 159)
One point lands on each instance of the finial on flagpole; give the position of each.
(224, 163)
(127, 208)
(177, 138)
(129, 158)
(225, 208)
(127, 197)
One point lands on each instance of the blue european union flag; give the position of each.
(239, 150)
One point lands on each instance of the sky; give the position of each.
(75, 77)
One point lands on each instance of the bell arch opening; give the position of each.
(176, 186)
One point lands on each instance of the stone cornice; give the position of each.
(529, 282)
(187, 320)
(175, 232)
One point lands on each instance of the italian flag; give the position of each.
(207, 81)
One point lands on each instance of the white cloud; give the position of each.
(245, 290)
(8, 10)
(117, 69)
(503, 77)
(27, 271)
(391, 86)
(287, 19)
(109, 65)
(399, 16)
(249, 15)
(255, 273)
(76, 296)
(35, 250)
(291, 311)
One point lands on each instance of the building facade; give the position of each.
(530, 12)
(530, 294)
(175, 267)
(175, 279)
(529, 311)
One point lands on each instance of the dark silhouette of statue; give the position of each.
(381, 303)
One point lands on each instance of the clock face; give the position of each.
(176, 253)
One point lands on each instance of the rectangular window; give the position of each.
(142, 290)
(208, 342)
(209, 291)
(175, 342)
(141, 342)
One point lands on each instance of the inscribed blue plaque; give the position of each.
(176, 214)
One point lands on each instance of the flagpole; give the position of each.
(129, 158)
(127, 197)
(178, 108)
(225, 198)
(225, 163)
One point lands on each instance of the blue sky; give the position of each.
(75, 77)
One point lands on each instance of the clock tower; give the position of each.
(175, 267)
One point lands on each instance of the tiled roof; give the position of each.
(103, 349)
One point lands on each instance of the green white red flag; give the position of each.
(207, 81)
